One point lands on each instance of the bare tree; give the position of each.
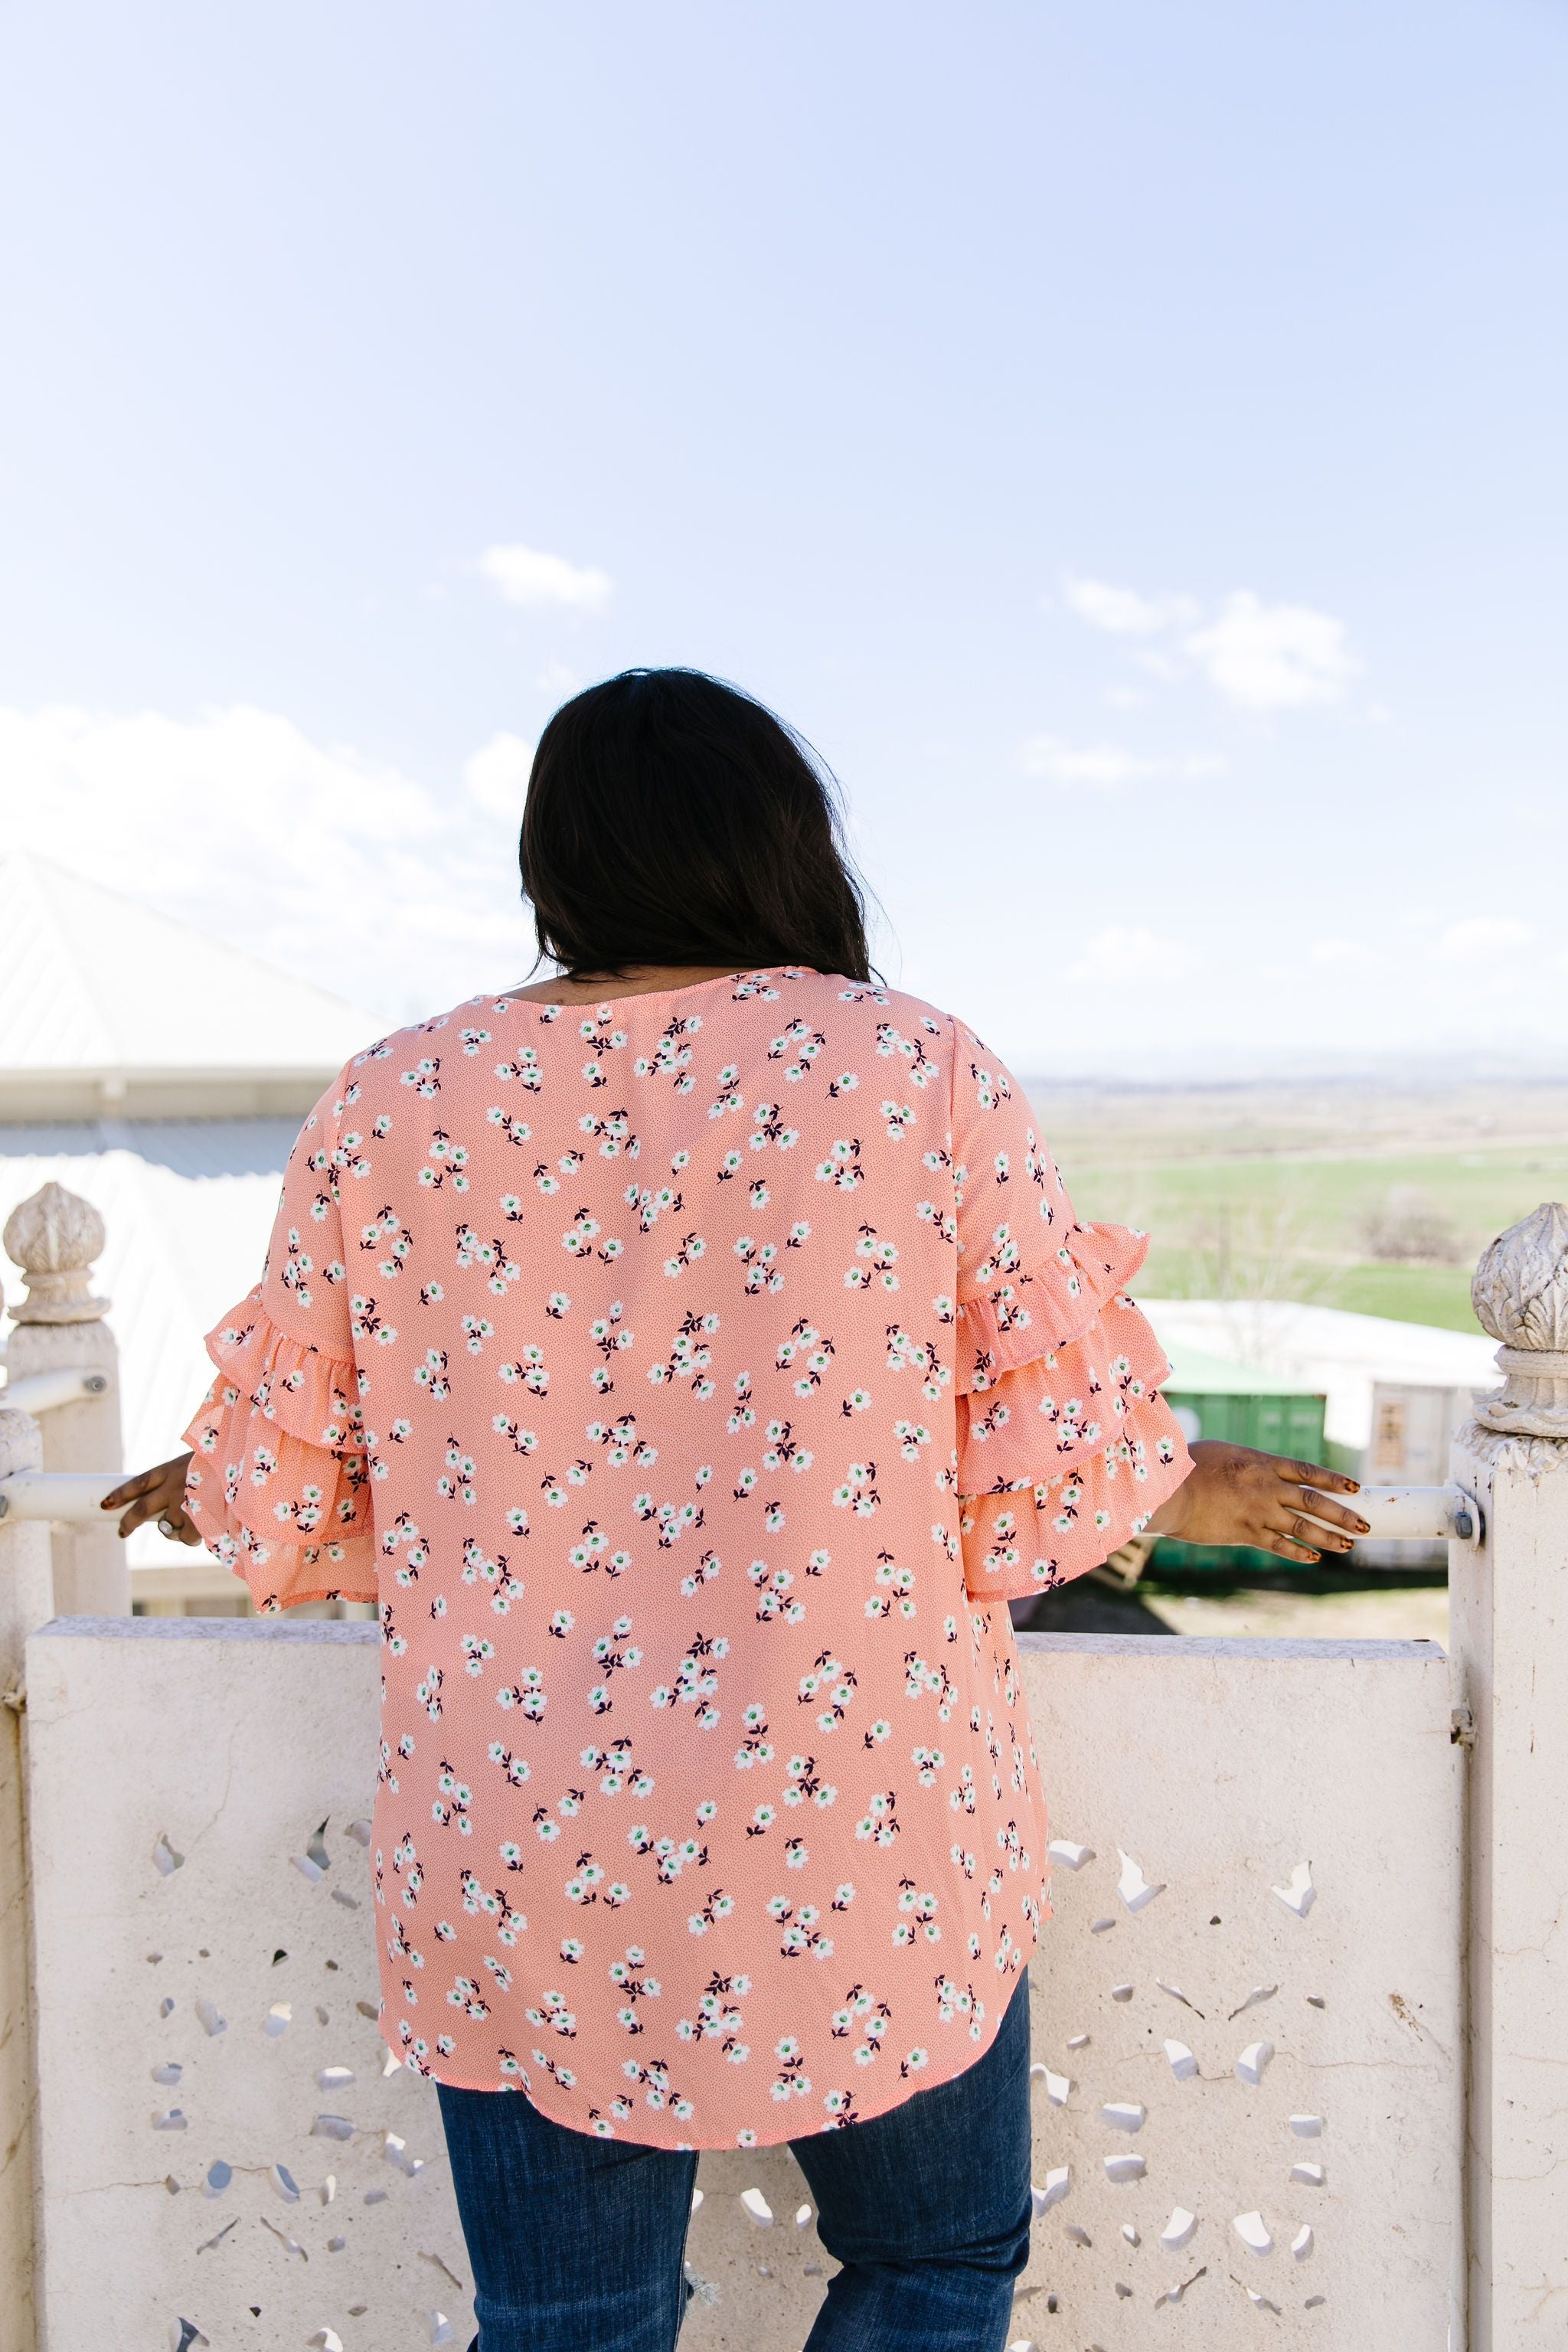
(1410, 1229)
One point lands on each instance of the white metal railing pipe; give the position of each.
(1418, 1514)
(67, 1498)
(1398, 1514)
(38, 1393)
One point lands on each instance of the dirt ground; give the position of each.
(1318, 1609)
(1398, 1612)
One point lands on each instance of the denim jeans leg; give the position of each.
(574, 2241)
(928, 2209)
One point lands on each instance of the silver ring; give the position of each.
(167, 1527)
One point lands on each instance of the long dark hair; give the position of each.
(670, 819)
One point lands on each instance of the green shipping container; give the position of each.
(1212, 1398)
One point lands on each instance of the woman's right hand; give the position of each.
(1234, 1495)
(157, 1494)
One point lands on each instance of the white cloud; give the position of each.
(1126, 954)
(1106, 765)
(1123, 612)
(1273, 657)
(527, 576)
(1166, 666)
(1477, 937)
(497, 774)
(1346, 955)
(1261, 657)
(557, 681)
(396, 894)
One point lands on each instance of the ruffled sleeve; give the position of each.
(279, 1481)
(1066, 1447)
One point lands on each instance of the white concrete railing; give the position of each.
(1278, 1946)
(60, 1414)
(24, 1603)
(1509, 1639)
(61, 1364)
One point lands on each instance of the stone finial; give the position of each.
(1520, 1296)
(54, 1237)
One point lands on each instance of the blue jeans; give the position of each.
(577, 2243)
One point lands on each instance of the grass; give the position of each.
(1406, 1294)
(1252, 1194)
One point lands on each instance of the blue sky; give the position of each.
(1127, 440)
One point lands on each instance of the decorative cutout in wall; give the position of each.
(1211, 2121)
(256, 2019)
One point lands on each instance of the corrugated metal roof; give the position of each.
(187, 1205)
(92, 982)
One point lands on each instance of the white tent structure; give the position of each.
(163, 1075)
(1329, 1352)
(110, 1010)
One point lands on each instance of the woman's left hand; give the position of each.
(159, 1493)
(1235, 1496)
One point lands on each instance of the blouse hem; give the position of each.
(929, 2080)
(328, 1592)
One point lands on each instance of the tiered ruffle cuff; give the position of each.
(279, 1484)
(1066, 1447)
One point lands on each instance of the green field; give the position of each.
(1374, 1198)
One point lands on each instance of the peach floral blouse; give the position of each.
(691, 1379)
